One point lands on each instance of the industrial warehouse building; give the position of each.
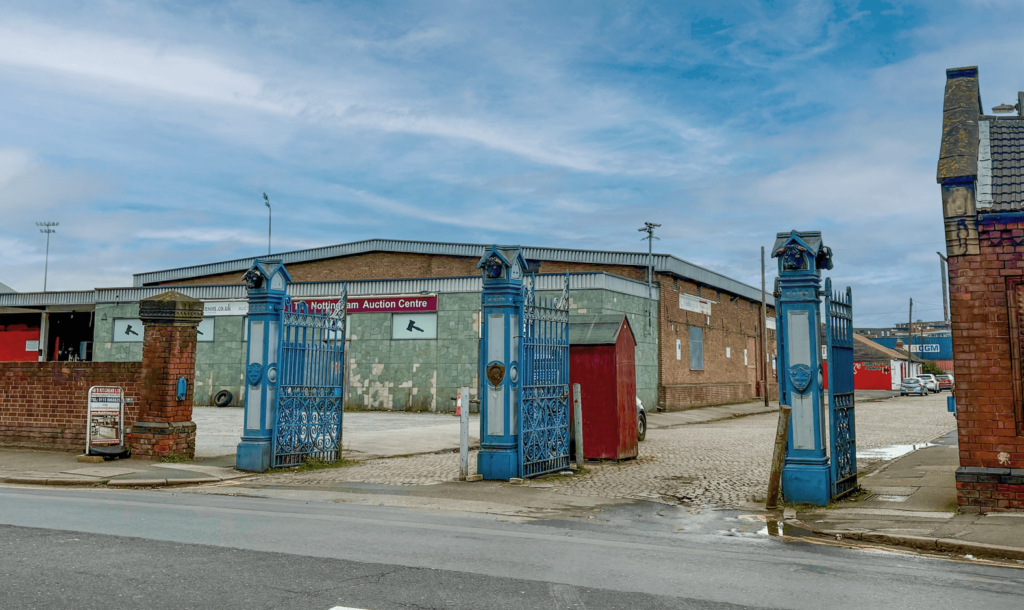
(414, 326)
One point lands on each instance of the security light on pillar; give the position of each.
(502, 304)
(267, 282)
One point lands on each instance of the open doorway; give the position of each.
(69, 336)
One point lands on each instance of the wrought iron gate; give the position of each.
(309, 407)
(842, 426)
(544, 410)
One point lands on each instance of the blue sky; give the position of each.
(151, 130)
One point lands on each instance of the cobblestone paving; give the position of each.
(719, 464)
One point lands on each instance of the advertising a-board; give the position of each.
(105, 421)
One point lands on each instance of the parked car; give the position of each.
(913, 385)
(945, 382)
(930, 381)
(641, 421)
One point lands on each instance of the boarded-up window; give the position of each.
(696, 348)
(1015, 303)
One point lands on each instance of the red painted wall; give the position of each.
(872, 376)
(866, 376)
(12, 343)
(625, 377)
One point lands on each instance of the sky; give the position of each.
(150, 131)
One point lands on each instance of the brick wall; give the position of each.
(373, 266)
(987, 309)
(734, 324)
(43, 404)
(725, 378)
(396, 265)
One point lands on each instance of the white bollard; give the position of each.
(464, 433)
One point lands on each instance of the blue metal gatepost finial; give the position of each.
(502, 307)
(806, 475)
(267, 283)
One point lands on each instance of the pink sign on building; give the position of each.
(388, 304)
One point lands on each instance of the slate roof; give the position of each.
(601, 329)
(866, 350)
(989, 149)
(1005, 165)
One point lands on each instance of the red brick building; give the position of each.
(981, 173)
(707, 326)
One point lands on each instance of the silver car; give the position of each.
(913, 385)
(930, 382)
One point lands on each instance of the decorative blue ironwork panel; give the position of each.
(842, 424)
(544, 408)
(309, 408)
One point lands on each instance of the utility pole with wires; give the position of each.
(764, 337)
(649, 229)
(270, 220)
(910, 332)
(48, 229)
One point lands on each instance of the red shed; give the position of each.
(602, 359)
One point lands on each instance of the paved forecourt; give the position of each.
(721, 464)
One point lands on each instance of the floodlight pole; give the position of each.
(649, 229)
(47, 228)
(270, 220)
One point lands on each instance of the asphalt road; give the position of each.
(111, 549)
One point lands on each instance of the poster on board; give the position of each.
(105, 420)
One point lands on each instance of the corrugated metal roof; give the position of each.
(37, 299)
(204, 293)
(446, 285)
(662, 262)
(600, 329)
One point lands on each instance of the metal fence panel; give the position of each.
(842, 424)
(544, 409)
(308, 414)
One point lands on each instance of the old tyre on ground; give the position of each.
(223, 398)
(641, 427)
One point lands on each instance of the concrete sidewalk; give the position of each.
(703, 415)
(911, 502)
(30, 467)
(365, 436)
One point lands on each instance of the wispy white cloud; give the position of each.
(150, 132)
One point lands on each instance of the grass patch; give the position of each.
(176, 459)
(558, 476)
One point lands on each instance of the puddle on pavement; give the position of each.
(775, 528)
(703, 522)
(891, 452)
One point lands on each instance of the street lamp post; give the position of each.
(270, 220)
(48, 229)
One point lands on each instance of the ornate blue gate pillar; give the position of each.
(502, 306)
(267, 282)
(806, 475)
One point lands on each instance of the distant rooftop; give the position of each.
(663, 263)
